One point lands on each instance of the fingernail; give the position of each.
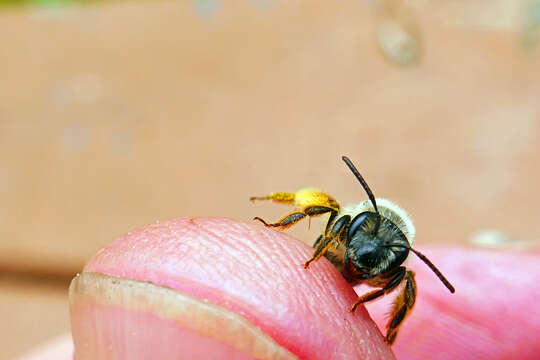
(139, 320)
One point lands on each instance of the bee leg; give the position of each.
(280, 197)
(317, 242)
(402, 307)
(339, 226)
(331, 218)
(325, 242)
(286, 222)
(294, 217)
(394, 281)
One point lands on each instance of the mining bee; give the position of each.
(367, 242)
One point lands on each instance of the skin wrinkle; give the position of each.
(320, 282)
(226, 299)
(236, 254)
(259, 260)
(263, 281)
(247, 292)
(240, 245)
(336, 296)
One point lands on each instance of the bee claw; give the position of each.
(390, 338)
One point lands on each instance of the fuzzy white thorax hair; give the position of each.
(387, 209)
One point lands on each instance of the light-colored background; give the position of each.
(116, 115)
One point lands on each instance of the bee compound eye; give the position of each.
(358, 221)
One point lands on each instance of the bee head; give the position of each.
(370, 248)
(375, 243)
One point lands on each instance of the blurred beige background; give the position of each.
(116, 115)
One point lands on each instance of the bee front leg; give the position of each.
(323, 243)
(402, 307)
(394, 281)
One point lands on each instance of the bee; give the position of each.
(367, 242)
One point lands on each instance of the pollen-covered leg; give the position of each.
(280, 197)
(394, 281)
(402, 307)
(302, 199)
(330, 237)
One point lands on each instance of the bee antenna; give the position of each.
(428, 263)
(362, 181)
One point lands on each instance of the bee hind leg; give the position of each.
(402, 307)
(294, 217)
(280, 197)
(285, 222)
(285, 198)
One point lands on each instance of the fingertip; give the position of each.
(246, 270)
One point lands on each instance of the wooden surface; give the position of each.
(31, 314)
(116, 115)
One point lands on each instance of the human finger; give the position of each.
(493, 314)
(208, 288)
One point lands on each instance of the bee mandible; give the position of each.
(367, 242)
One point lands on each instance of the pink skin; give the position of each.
(493, 315)
(255, 272)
